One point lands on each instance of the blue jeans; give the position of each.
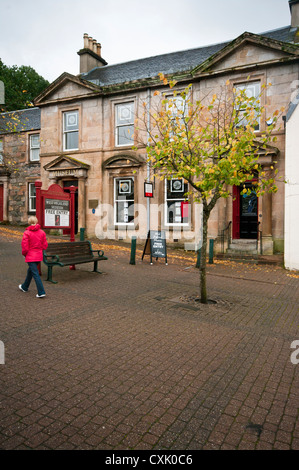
(33, 273)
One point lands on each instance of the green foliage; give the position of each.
(22, 85)
(211, 143)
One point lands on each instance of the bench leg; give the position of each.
(49, 278)
(95, 268)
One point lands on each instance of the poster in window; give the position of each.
(57, 213)
(185, 209)
(176, 186)
(124, 186)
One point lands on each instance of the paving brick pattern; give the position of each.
(130, 360)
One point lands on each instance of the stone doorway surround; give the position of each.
(65, 167)
(267, 155)
(4, 180)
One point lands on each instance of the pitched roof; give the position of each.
(20, 121)
(286, 34)
(175, 62)
(151, 66)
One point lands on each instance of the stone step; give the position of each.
(242, 246)
(238, 256)
(256, 259)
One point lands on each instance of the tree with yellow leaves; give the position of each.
(211, 143)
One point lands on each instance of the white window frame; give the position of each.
(116, 200)
(248, 86)
(122, 122)
(178, 104)
(69, 131)
(31, 198)
(178, 200)
(33, 147)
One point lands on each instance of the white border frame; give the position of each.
(175, 224)
(115, 200)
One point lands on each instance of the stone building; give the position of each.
(19, 164)
(87, 124)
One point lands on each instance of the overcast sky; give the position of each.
(47, 34)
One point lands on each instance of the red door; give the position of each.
(1, 202)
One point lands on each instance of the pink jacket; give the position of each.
(33, 243)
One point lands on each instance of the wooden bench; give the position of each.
(69, 254)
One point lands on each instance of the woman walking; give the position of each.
(33, 243)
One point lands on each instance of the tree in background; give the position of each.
(211, 144)
(22, 85)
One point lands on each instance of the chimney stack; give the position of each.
(294, 7)
(90, 55)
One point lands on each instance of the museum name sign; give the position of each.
(60, 173)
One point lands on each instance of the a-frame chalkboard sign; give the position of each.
(155, 245)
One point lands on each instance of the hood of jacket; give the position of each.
(33, 228)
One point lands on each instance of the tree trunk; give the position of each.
(203, 259)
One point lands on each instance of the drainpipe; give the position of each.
(148, 175)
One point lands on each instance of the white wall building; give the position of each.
(292, 187)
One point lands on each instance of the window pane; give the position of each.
(177, 207)
(34, 155)
(124, 212)
(34, 141)
(71, 140)
(253, 90)
(176, 189)
(249, 204)
(32, 190)
(177, 106)
(71, 121)
(124, 114)
(32, 197)
(124, 189)
(125, 135)
(33, 204)
(124, 200)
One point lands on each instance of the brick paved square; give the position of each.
(121, 361)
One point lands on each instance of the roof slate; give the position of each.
(175, 62)
(20, 121)
(150, 67)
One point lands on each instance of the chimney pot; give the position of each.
(94, 46)
(99, 49)
(90, 39)
(85, 38)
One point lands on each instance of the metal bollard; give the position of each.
(211, 252)
(198, 258)
(133, 250)
(82, 234)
